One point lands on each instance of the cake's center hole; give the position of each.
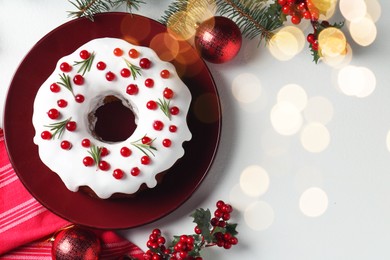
(114, 121)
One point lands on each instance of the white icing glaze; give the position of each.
(68, 164)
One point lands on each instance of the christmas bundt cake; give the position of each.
(100, 72)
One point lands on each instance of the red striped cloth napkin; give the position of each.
(25, 224)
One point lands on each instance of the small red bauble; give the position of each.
(145, 160)
(152, 105)
(135, 171)
(146, 140)
(172, 128)
(55, 88)
(132, 89)
(84, 54)
(110, 76)
(133, 53)
(62, 103)
(78, 79)
(65, 67)
(104, 151)
(149, 83)
(125, 73)
(76, 243)
(46, 135)
(88, 161)
(86, 143)
(158, 125)
(168, 93)
(125, 152)
(167, 142)
(118, 174)
(66, 145)
(79, 98)
(118, 52)
(174, 110)
(165, 74)
(101, 65)
(71, 126)
(145, 63)
(218, 39)
(53, 113)
(104, 166)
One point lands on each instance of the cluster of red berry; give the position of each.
(221, 216)
(180, 250)
(210, 231)
(297, 9)
(312, 38)
(306, 9)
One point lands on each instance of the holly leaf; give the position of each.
(198, 243)
(202, 219)
(231, 229)
(316, 55)
(175, 240)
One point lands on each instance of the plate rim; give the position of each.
(15, 167)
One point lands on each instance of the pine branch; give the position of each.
(88, 8)
(255, 18)
(130, 4)
(182, 16)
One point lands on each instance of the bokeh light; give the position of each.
(356, 81)
(353, 10)
(294, 94)
(259, 215)
(374, 9)
(183, 24)
(246, 88)
(315, 137)
(287, 43)
(165, 46)
(363, 31)
(254, 181)
(131, 31)
(332, 42)
(326, 8)
(286, 118)
(313, 202)
(339, 61)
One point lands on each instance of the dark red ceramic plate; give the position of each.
(182, 180)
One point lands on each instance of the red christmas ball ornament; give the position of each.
(75, 243)
(218, 39)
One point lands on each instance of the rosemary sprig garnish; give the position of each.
(145, 148)
(66, 82)
(85, 64)
(58, 128)
(95, 152)
(133, 69)
(164, 106)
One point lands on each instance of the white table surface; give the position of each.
(330, 204)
